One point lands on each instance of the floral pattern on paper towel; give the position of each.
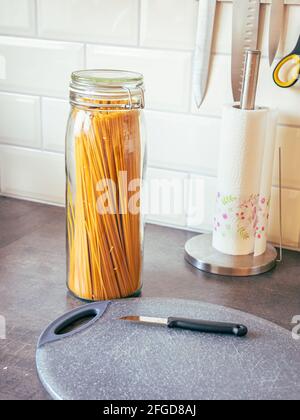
(263, 216)
(245, 217)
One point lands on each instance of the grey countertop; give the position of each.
(33, 292)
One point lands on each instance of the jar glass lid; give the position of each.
(107, 88)
(107, 79)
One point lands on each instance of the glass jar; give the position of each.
(105, 163)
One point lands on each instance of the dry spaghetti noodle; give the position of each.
(104, 248)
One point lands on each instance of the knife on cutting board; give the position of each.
(203, 49)
(244, 37)
(276, 28)
(208, 327)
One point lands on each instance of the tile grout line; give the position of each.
(139, 23)
(187, 200)
(152, 110)
(114, 45)
(42, 139)
(36, 24)
(31, 149)
(32, 199)
(95, 43)
(41, 123)
(188, 173)
(85, 60)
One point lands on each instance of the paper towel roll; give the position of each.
(261, 229)
(240, 180)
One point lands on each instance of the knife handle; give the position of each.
(208, 327)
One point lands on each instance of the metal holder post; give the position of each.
(280, 259)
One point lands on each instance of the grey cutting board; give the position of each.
(117, 360)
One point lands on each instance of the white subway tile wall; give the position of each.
(167, 73)
(20, 120)
(166, 197)
(17, 17)
(202, 190)
(43, 41)
(168, 23)
(183, 142)
(111, 21)
(32, 174)
(55, 113)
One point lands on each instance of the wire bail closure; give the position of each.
(130, 98)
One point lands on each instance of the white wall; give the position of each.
(43, 41)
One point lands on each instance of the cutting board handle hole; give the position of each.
(76, 322)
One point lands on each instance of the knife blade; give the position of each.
(244, 36)
(209, 327)
(276, 28)
(203, 49)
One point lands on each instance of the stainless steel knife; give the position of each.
(276, 28)
(192, 325)
(203, 49)
(244, 36)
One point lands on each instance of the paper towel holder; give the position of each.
(199, 250)
(200, 253)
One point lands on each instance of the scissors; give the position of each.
(293, 59)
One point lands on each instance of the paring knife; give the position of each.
(244, 37)
(192, 325)
(276, 28)
(203, 50)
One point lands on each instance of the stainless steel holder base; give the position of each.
(200, 253)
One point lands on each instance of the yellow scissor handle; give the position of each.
(295, 58)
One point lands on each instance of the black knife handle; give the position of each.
(208, 327)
